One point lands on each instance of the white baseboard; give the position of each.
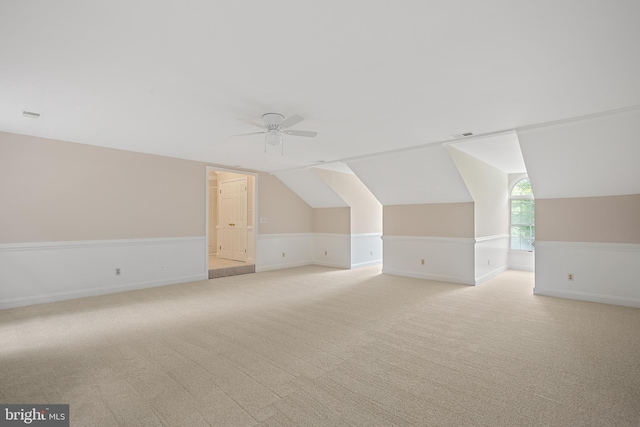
(491, 274)
(586, 296)
(332, 264)
(82, 293)
(367, 264)
(281, 266)
(435, 277)
(33, 273)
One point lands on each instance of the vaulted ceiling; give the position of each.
(171, 78)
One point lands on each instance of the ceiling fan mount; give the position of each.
(275, 126)
(272, 119)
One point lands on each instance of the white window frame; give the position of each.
(519, 197)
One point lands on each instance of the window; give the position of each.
(522, 216)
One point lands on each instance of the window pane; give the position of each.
(522, 212)
(522, 218)
(517, 208)
(515, 244)
(522, 237)
(522, 187)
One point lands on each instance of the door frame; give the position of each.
(252, 222)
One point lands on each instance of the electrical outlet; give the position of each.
(325, 252)
(117, 272)
(422, 262)
(282, 254)
(570, 277)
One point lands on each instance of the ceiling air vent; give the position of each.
(462, 135)
(31, 114)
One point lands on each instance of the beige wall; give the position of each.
(284, 210)
(366, 211)
(612, 219)
(430, 220)
(61, 191)
(489, 188)
(331, 220)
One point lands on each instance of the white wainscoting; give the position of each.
(603, 272)
(447, 259)
(366, 249)
(492, 256)
(522, 260)
(34, 273)
(296, 248)
(332, 250)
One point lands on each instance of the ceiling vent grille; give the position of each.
(462, 135)
(31, 114)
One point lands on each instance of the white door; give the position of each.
(232, 219)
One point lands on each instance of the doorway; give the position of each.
(230, 222)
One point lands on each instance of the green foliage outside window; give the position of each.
(522, 216)
(522, 188)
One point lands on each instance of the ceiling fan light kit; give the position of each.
(275, 123)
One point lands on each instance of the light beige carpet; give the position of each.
(317, 346)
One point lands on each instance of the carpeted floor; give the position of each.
(318, 346)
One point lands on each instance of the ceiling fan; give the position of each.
(275, 125)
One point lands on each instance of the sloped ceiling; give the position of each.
(348, 186)
(425, 175)
(595, 157)
(311, 188)
(500, 151)
(170, 78)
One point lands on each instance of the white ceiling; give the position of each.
(170, 78)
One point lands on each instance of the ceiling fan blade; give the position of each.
(245, 134)
(290, 121)
(252, 123)
(307, 133)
